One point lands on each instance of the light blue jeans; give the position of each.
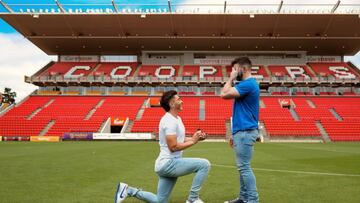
(168, 175)
(243, 142)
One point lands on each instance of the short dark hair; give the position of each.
(165, 99)
(242, 61)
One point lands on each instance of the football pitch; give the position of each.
(70, 172)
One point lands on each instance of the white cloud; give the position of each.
(354, 59)
(19, 57)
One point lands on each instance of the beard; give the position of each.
(239, 77)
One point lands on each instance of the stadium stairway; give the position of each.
(34, 113)
(202, 112)
(47, 127)
(267, 71)
(262, 104)
(310, 103)
(310, 69)
(336, 115)
(140, 113)
(92, 111)
(39, 109)
(294, 114)
(323, 132)
(136, 72)
(129, 126)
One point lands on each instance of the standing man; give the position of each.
(170, 165)
(244, 125)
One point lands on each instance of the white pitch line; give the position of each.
(290, 171)
(321, 149)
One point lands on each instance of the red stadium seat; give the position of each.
(61, 68)
(208, 71)
(337, 70)
(294, 71)
(109, 68)
(68, 114)
(152, 70)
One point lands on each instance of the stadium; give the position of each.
(96, 109)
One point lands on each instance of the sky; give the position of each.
(19, 57)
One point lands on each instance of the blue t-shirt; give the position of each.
(246, 107)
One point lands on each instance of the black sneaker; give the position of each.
(237, 200)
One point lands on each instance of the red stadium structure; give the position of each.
(110, 65)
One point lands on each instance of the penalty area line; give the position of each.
(291, 171)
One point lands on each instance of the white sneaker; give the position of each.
(196, 201)
(121, 192)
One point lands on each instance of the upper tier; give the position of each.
(134, 72)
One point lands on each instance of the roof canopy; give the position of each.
(114, 34)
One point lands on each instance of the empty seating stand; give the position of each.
(68, 114)
(20, 126)
(328, 69)
(279, 122)
(346, 130)
(119, 107)
(217, 108)
(15, 122)
(340, 116)
(280, 127)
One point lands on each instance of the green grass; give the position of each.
(88, 171)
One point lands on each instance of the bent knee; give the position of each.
(206, 164)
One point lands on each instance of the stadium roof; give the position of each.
(113, 34)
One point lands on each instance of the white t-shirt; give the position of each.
(169, 125)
